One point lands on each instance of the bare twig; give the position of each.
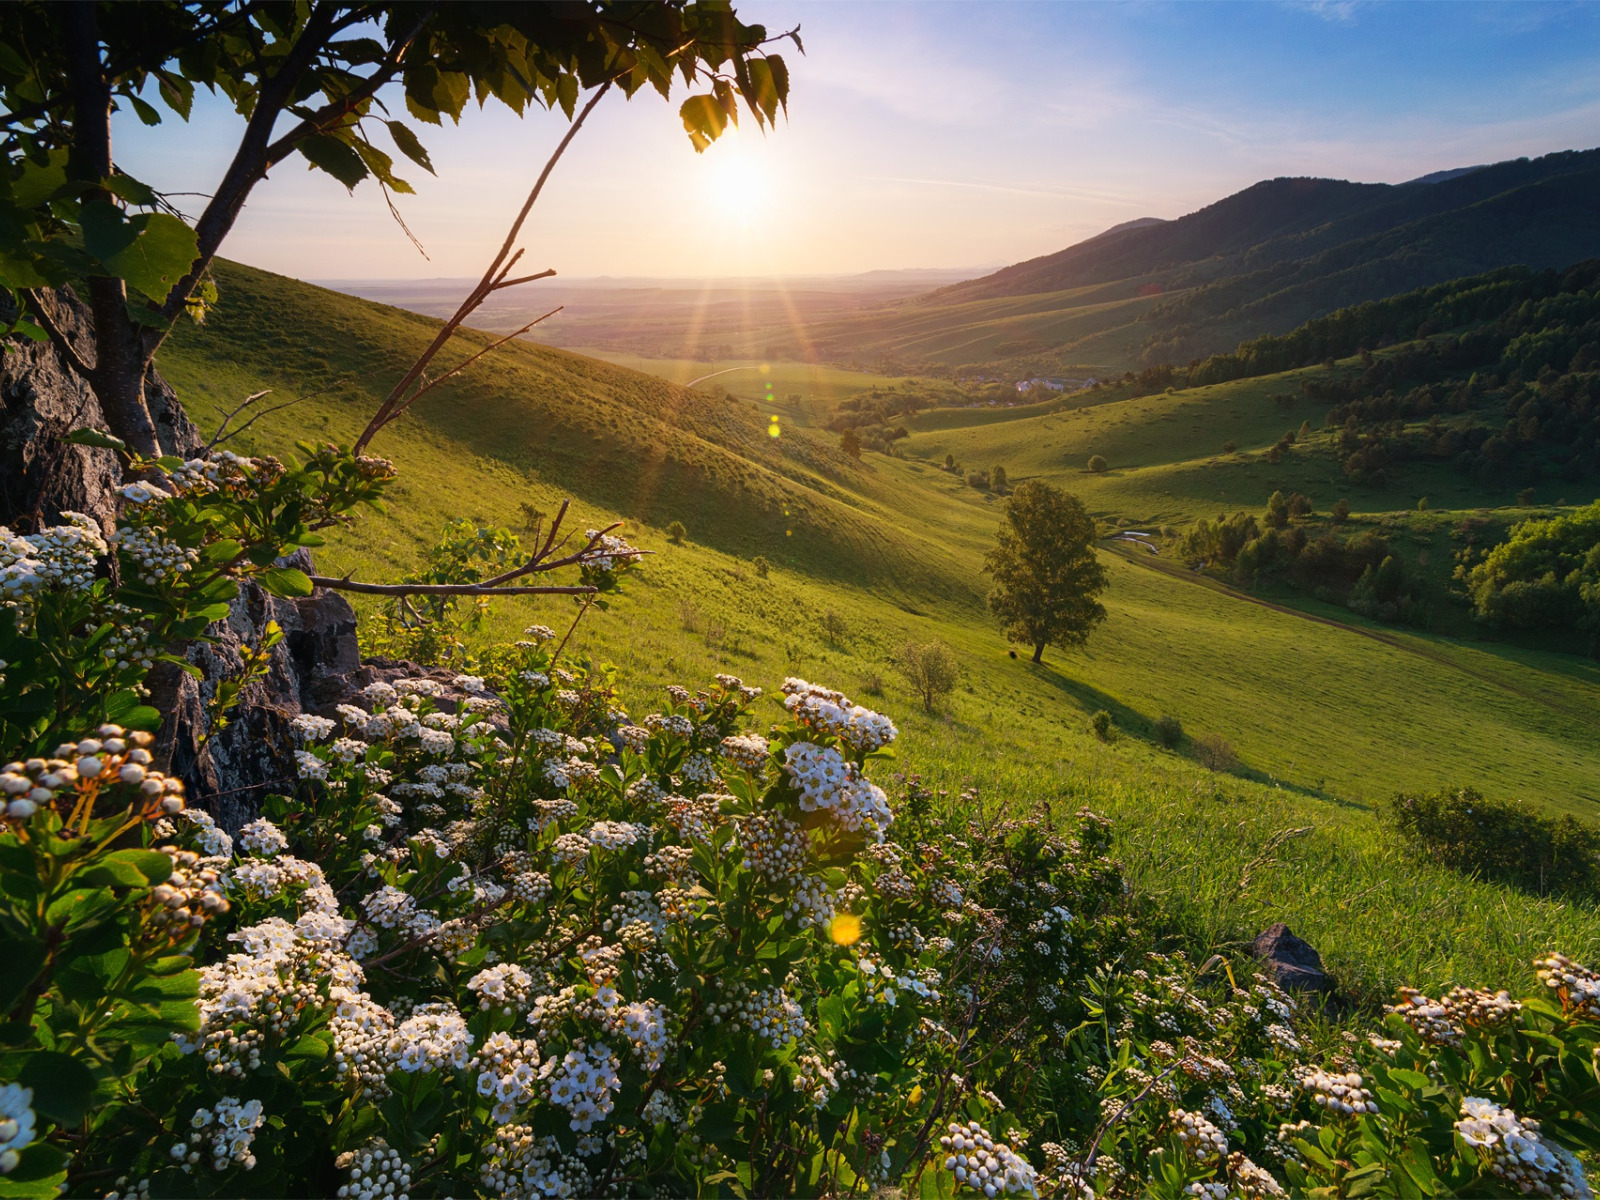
(493, 279)
(266, 412)
(494, 345)
(234, 412)
(446, 589)
(1127, 1107)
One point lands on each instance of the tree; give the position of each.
(306, 78)
(850, 443)
(676, 533)
(997, 480)
(1045, 570)
(1341, 511)
(931, 670)
(1277, 510)
(1097, 463)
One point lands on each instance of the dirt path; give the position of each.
(1582, 715)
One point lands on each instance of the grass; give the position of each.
(1323, 717)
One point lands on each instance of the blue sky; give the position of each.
(937, 134)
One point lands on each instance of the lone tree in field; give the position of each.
(931, 670)
(1046, 575)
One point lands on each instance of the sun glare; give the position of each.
(738, 186)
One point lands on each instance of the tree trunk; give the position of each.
(1038, 652)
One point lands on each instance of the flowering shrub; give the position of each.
(83, 617)
(526, 944)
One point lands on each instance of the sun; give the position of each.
(738, 185)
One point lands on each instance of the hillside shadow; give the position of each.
(1130, 722)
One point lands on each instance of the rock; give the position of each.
(1292, 962)
(41, 400)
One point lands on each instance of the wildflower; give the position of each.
(16, 1124)
(984, 1165)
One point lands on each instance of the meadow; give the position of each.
(1324, 717)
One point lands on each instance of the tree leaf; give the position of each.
(96, 438)
(337, 158)
(146, 111)
(21, 960)
(406, 142)
(151, 251)
(287, 582)
(61, 1085)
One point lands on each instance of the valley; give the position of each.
(1325, 718)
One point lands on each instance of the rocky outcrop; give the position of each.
(1292, 962)
(315, 666)
(41, 400)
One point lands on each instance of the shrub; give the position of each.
(833, 627)
(977, 479)
(1341, 511)
(1169, 731)
(676, 533)
(931, 670)
(997, 479)
(1215, 753)
(1102, 724)
(1229, 447)
(1500, 840)
(762, 566)
(1097, 464)
(1525, 498)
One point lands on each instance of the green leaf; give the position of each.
(337, 158)
(153, 865)
(287, 582)
(21, 960)
(406, 142)
(40, 1172)
(144, 109)
(152, 251)
(96, 438)
(61, 1085)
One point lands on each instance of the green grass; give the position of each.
(1325, 718)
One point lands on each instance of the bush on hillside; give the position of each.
(761, 565)
(1545, 577)
(1098, 464)
(1499, 840)
(676, 533)
(1215, 753)
(1169, 731)
(834, 627)
(931, 670)
(978, 480)
(1102, 724)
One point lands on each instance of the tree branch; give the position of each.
(460, 367)
(396, 401)
(446, 589)
(58, 336)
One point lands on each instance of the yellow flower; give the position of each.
(845, 929)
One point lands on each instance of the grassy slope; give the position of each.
(1320, 715)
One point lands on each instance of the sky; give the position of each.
(942, 134)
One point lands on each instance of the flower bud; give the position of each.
(89, 766)
(21, 810)
(131, 773)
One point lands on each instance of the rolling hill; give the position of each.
(1326, 715)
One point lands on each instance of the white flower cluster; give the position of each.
(747, 751)
(230, 1127)
(505, 986)
(308, 727)
(247, 999)
(16, 1124)
(984, 1165)
(377, 1172)
(211, 840)
(508, 1073)
(58, 556)
(1198, 1136)
(115, 756)
(818, 1079)
(825, 711)
(516, 1162)
(1252, 1182)
(1512, 1149)
(1346, 1095)
(1577, 986)
(262, 837)
(827, 782)
(770, 1013)
(582, 1083)
(435, 1036)
(607, 551)
(645, 1027)
(774, 847)
(155, 559)
(615, 835)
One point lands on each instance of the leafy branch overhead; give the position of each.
(346, 87)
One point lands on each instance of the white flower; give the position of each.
(16, 1123)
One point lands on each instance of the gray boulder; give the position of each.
(1292, 962)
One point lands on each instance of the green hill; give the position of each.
(1325, 715)
(1261, 261)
